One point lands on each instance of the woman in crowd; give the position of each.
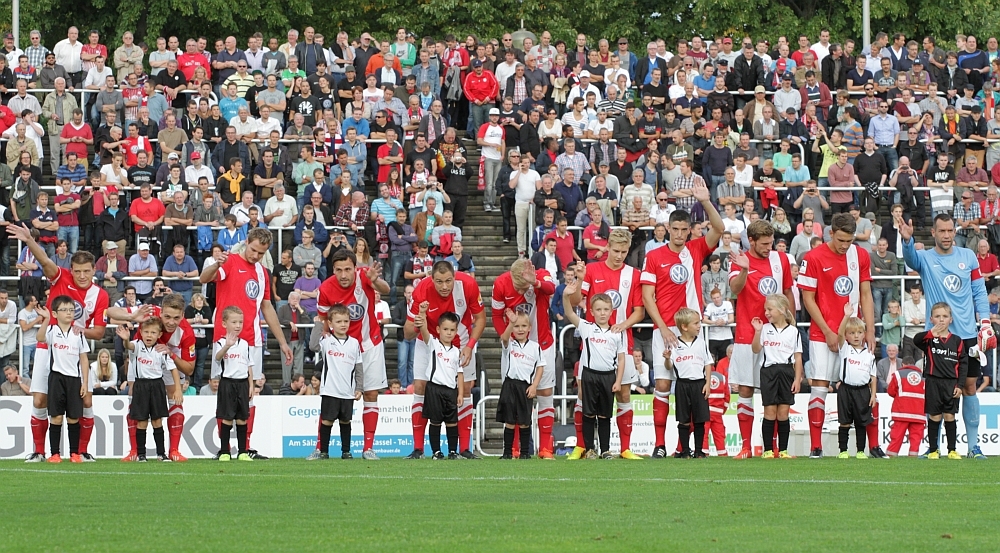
(363, 253)
(104, 374)
(199, 314)
(782, 226)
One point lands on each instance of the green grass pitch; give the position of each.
(492, 505)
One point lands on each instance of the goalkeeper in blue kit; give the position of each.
(951, 275)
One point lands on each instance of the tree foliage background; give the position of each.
(638, 20)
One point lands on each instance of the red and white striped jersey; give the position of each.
(766, 276)
(718, 395)
(360, 301)
(677, 277)
(836, 280)
(91, 303)
(906, 388)
(181, 341)
(622, 286)
(245, 285)
(535, 302)
(464, 300)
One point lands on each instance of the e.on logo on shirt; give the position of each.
(332, 353)
(599, 341)
(517, 355)
(851, 361)
(232, 356)
(145, 361)
(770, 344)
(59, 346)
(684, 358)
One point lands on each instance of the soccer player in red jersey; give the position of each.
(446, 292)
(671, 279)
(620, 282)
(355, 288)
(753, 276)
(177, 340)
(527, 290)
(241, 281)
(831, 276)
(91, 303)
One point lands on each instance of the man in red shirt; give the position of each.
(91, 306)
(753, 276)
(147, 211)
(481, 89)
(76, 136)
(565, 243)
(671, 279)
(192, 59)
(988, 264)
(446, 291)
(831, 276)
(527, 290)
(241, 281)
(621, 283)
(390, 155)
(135, 144)
(355, 287)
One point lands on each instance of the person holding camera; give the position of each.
(904, 179)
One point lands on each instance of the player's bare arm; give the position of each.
(208, 275)
(649, 301)
(178, 395)
(638, 314)
(375, 275)
(23, 234)
(809, 301)
(420, 321)
(271, 318)
(702, 194)
(868, 313)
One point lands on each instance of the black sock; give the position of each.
(324, 438)
(508, 441)
(225, 431)
(784, 427)
(933, 433)
(452, 433)
(158, 438)
(345, 437)
(951, 430)
(525, 436)
(860, 436)
(55, 437)
(241, 438)
(699, 436)
(845, 435)
(588, 432)
(435, 435)
(73, 429)
(684, 434)
(140, 440)
(766, 432)
(604, 434)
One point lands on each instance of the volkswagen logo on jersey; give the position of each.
(356, 311)
(767, 286)
(952, 283)
(525, 308)
(77, 311)
(679, 274)
(843, 286)
(616, 298)
(252, 289)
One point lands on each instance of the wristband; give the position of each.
(471, 344)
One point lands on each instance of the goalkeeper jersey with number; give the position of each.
(953, 279)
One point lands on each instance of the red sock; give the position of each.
(546, 416)
(319, 434)
(578, 423)
(131, 436)
(39, 427)
(86, 429)
(175, 424)
(418, 421)
(253, 411)
(871, 430)
(704, 443)
(745, 416)
(516, 446)
(817, 416)
(661, 409)
(624, 420)
(465, 425)
(369, 418)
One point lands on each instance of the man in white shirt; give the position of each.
(581, 90)
(280, 210)
(196, 170)
(490, 137)
(524, 181)
(266, 124)
(68, 52)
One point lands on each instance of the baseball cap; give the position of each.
(494, 111)
(196, 155)
(870, 216)
(350, 69)
(604, 163)
(854, 207)
(786, 77)
(727, 40)
(8, 36)
(650, 110)
(759, 89)
(110, 245)
(173, 156)
(143, 246)
(477, 63)
(256, 72)
(584, 73)
(723, 62)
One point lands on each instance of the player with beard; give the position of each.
(446, 291)
(91, 304)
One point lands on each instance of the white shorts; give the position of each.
(373, 368)
(256, 356)
(421, 364)
(168, 379)
(822, 363)
(631, 375)
(40, 372)
(660, 371)
(744, 366)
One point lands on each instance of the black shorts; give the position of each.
(64, 396)
(335, 408)
(975, 370)
(776, 384)
(149, 400)
(514, 406)
(690, 402)
(598, 399)
(939, 396)
(852, 405)
(440, 403)
(233, 399)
